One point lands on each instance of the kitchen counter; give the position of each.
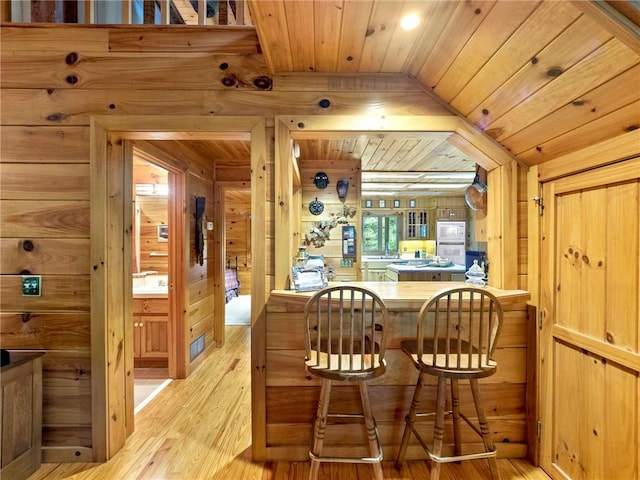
(422, 272)
(284, 396)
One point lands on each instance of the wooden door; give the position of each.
(590, 292)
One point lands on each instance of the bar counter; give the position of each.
(284, 396)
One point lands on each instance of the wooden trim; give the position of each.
(283, 177)
(5, 11)
(107, 236)
(613, 21)
(534, 190)
(501, 229)
(99, 328)
(128, 299)
(259, 285)
(619, 148)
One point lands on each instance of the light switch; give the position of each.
(31, 285)
(209, 225)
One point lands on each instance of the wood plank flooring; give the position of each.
(200, 429)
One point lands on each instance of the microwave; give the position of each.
(451, 232)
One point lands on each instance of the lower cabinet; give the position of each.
(21, 415)
(150, 330)
(421, 276)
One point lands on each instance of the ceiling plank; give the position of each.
(327, 19)
(542, 26)
(271, 25)
(612, 58)
(353, 32)
(300, 23)
(570, 47)
(496, 28)
(605, 127)
(384, 17)
(462, 24)
(608, 97)
(402, 42)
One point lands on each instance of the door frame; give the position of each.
(110, 195)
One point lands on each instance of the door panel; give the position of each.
(590, 294)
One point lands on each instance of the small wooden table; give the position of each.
(21, 415)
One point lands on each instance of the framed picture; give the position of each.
(396, 204)
(163, 233)
(412, 203)
(368, 203)
(308, 278)
(381, 203)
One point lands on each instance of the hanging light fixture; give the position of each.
(342, 187)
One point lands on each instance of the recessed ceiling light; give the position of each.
(410, 21)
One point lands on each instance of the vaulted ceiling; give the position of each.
(541, 78)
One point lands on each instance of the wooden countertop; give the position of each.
(404, 295)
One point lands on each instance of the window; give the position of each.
(380, 234)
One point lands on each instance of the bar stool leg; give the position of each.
(320, 427)
(409, 420)
(438, 431)
(372, 435)
(455, 408)
(484, 428)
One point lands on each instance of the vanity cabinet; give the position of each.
(150, 329)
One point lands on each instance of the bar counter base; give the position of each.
(284, 396)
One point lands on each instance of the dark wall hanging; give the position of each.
(199, 240)
(316, 207)
(321, 180)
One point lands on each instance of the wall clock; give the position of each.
(316, 207)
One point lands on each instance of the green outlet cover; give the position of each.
(31, 285)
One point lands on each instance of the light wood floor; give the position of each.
(200, 428)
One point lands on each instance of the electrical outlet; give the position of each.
(346, 262)
(31, 285)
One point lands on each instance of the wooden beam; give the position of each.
(613, 21)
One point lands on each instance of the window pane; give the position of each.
(370, 234)
(392, 231)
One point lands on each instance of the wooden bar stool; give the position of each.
(457, 333)
(345, 341)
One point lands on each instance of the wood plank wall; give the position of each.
(333, 208)
(53, 79)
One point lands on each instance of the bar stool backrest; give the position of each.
(345, 330)
(458, 329)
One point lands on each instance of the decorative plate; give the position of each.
(316, 207)
(321, 180)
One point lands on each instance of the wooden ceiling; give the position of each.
(542, 78)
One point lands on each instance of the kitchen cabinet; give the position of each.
(417, 225)
(455, 213)
(150, 330)
(418, 272)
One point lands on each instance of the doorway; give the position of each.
(152, 235)
(236, 198)
(111, 334)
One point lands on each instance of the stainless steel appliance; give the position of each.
(450, 241)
